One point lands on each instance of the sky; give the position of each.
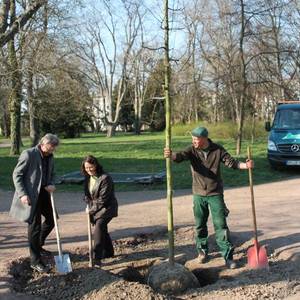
(152, 20)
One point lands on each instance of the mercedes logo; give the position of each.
(295, 148)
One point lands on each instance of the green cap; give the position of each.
(200, 132)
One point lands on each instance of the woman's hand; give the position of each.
(25, 200)
(86, 199)
(50, 188)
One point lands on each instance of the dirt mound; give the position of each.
(125, 275)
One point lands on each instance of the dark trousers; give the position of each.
(38, 232)
(102, 242)
(219, 212)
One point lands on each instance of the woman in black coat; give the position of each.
(102, 203)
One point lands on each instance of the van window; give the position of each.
(287, 119)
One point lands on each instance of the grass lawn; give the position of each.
(128, 153)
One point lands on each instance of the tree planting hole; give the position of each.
(134, 274)
(140, 275)
(206, 276)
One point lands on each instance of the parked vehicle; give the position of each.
(284, 137)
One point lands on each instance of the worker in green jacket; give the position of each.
(205, 157)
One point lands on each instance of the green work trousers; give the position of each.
(219, 212)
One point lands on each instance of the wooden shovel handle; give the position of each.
(91, 263)
(56, 225)
(252, 196)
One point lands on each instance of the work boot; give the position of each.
(230, 263)
(202, 257)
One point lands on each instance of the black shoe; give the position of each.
(45, 252)
(40, 267)
(108, 255)
(202, 257)
(97, 263)
(230, 264)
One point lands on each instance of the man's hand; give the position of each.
(249, 164)
(167, 152)
(25, 200)
(50, 188)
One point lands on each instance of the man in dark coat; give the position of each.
(205, 157)
(33, 179)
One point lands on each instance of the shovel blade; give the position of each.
(63, 264)
(257, 257)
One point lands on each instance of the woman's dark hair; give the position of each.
(93, 161)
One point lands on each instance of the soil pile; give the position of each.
(125, 275)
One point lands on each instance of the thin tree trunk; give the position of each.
(239, 134)
(253, 128)
(33, 122)
(168, 135)
(243, 83)
(5, 122)
(137, 119)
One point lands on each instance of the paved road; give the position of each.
(277, 205)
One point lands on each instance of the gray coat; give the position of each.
(27, 178)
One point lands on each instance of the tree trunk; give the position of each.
(14, 103)
(33, 121)
(239, 137)
(111, 130)
(253, 128)
(137, 126)
(5, 126)
(15, 96)
(137, 115)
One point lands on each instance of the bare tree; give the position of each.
(109, 59)
(40, 54)
(192, 66)
(32, 56)
(143, 64)
(9, 30)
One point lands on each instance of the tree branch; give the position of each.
(7, 35)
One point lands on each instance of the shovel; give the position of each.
(62, 261)
(257, 255)
(91, 263)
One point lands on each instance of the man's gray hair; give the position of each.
(49, 138)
